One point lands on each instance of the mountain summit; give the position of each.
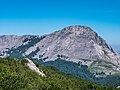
(78, 44)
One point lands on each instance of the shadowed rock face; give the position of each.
(73, 43)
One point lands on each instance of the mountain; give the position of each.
(79, 44)
(16, 75)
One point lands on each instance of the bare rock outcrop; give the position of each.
(76, 43)
(33, 67)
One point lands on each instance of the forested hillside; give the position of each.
(15, 75)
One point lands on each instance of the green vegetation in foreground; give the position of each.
(15, 75)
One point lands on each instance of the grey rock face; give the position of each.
(73, 43)
(11, 41)
(76, 43)
(33, 67)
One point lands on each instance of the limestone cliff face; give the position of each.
(73, 43)
(33, 67)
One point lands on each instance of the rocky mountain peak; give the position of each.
(74, 43)
(85, 31)
(76, 31)
(82, 34)
(78, 28)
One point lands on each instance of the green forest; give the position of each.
(15, 75)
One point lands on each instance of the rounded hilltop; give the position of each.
(78, 30)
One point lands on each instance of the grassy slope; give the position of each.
(14, 75)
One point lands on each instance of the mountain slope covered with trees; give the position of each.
(15, 75)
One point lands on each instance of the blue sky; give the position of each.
(45, 16)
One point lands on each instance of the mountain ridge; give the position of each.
(77, 43)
